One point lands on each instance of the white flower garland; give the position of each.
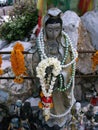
(41, 74)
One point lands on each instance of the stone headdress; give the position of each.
(52, 12)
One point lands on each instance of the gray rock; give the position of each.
(90, 21)
(71, 23)
(9, 90)
(96, 85)
(84, 64)
(33, 101)
(9, 47)
(77, 32)
(5, 10)
(87, 85)
(4, 96)
(3, 43)
(78, 93)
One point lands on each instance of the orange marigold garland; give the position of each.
(18, 46)
(1, 71)
(95, 60)
(18, 62)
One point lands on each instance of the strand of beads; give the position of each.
(63, 62)
(39, 47)
(75, 54)
(40, 42)
(66, 51)
(63, 88)
(72, 102)
(68, 42)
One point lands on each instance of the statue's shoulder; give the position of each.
(34, 49)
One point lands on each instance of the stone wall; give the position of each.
(5, 10)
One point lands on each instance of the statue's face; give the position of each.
(53, 31)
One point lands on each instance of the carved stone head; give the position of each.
(52, 24)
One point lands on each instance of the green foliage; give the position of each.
(20, 25)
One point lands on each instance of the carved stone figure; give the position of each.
(53, 65)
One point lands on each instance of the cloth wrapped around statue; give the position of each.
(53, 65)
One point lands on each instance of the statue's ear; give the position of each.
(46, 17)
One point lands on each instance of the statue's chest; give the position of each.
(52, 49)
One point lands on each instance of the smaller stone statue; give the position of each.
(14, 124)
(26, 111)
(4, 111)
(18, 106)
(90, 113)
(78, 107)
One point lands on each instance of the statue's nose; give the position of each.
(54, 35)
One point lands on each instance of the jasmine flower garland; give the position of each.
(41, 74)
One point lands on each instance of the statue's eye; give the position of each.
(50, 30)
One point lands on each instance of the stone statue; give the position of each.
(53, 65)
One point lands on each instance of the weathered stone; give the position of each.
(9, 90)
(5, 10)
(4, 96)
(71, 23)
(33, 101)
(87, 85)
(78, 93)
(84, 64)
(73, 26)
(96, 85)
(90, 21)
(2, 44)
(9, 47)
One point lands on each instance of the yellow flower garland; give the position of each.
(95, 60)
(1, 71)
(18, 62)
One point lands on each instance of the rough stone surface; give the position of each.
(90, 21)
(33, 101)
(78, 92)
(81, 40)
(9, 90)
(5, 10)
(84, 64)
(71, 23)
(2, 44)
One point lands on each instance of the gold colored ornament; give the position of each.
(1, 71)
(95, 60)
(18, 62)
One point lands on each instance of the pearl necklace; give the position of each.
(40, 44)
